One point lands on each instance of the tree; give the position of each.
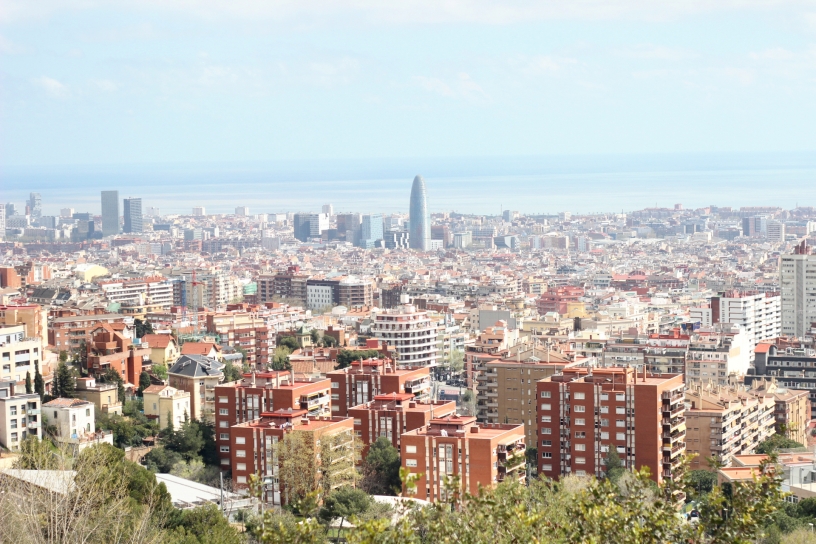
(701, 481)
(614, 466)
(39, 383)
(144, 382)
(28, 386)
(142, 327)
(64, 382)
(339, 453)
(469, 402)
(346, 356)
(231, 372)
(289, 342)
(381, 468)
(280, 359)
(112, 376)
(777, 442)
(160, 371)
(160, 459)
(203, 525)
(344, 502)
(187, 441)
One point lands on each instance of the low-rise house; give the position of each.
(162, 402)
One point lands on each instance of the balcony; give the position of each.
(33, 412)
(33, 424)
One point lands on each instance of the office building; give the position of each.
(328, 209)
(2, 222)
(420, 218)
(798, 282)
(199, 211)
(310, 225)
(133, 215)
(67, 212)
(349, 226)
(584, 412)
(725, 421)
(19, 416)
(110, 213)
(480, 455)
(242, 211)
(462, 240)
(35, 205)
(371, 231)
(363, 380)
(397, 239)
(409, 332)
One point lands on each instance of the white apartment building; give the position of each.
(19, 416)
(759, 315)
(775, 231)
(18, 354)
(717, 355)
(410, 332)
(798, 281)
(319, 296)
(151, 291)
(74, 420)
(210, 290)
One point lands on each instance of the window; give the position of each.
(580, 447)
(335, 396)
(335, 385)
(620, 436)
(410, 449)
(546, 455)
(222, 400)
(87, 412)
(546, 430)
(620, 397)
(13, 423)
(13, 410)
(546, 394)
(546, 406)
(241, 479)
(604, 396)
(546, 419)
(240, 466)
(580, 434)
(224, 449)
(604, 436)
(604, 423)
(240, 453)
(620, 410)
(14, 437)
(604, 409)
(223, 411)
(579, 396)
(580, 472)
(335, 408)
(580, 460)
(410, 463)
(223, 424)
(546, 443)
(546, 467)
(358, 421)
(240, 440)
(620, 423)
(580, 408)
(580, 421)
(223, 436)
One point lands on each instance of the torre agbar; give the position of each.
(410, 332)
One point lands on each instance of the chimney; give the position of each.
(474, 429)
(412, 404)
(253, 378)
(291, 377)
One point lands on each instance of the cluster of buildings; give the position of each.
(487, 340)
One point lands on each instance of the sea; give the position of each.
(580, 184)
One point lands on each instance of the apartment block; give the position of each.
(74, 422)
(791, 367)
(584, 412)
(791, 408)
(481, 455)
(162, 402)
(393, 414)
(506, 392)
(109, 348)
(410, 333)
(69, 333)
(759, 315)
(261, 392)
(19, 354)
(363, 380)
(199, 376)
(247, 331)
(19, 416)
(719, 354)
(153, 291)
(289, 285)
(33, 317)
(797, 278)
(725, 421)
(253, 447)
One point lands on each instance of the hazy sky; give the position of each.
(122, 81)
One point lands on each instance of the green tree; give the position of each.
(701, 481)
(142, 327)
(187, 441)
(280, 359)
(202, 525)
(112, 376)
(160, 371)
(36, 454)
(144, 382)
(231, 372)
(28, 386)
(64, 382)
(289, 342)
(39, 383)
(381, 468)
(346, 356)
(344, 503)
(160, 459)
(613, 465)
(777, 442)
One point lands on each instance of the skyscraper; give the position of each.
(371, 230)
(35, 205)
(110, 213)
(133, 215)
(797, 273)
(420, 219)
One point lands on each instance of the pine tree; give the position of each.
(64, 382)
(28, 383)
(39, 384)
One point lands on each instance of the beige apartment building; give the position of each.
(198, 376)
(19, 416)
(791, 408)
(506, 391)
(163, 401)
(722, 422)
(18, 355)
(105, 396)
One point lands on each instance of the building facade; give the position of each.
(110, 213)
(19, 416)
(410, 333)
(797, 278)
(420, 218)
(133, 215)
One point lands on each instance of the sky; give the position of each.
(96, 82)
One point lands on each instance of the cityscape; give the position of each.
(478, 272)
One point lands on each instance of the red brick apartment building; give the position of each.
(583, 412)
(393, 414)
(262, 392)
(363, 380)
(481, 455)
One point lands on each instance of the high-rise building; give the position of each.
(798, 281)
(35, 205)
(328, 209)
(420, 219)
(584, 412)
(67, 212)
(348, 226)
(758, 314)
(199, 211)
(133, 215)
(110, 213)
(411, 333)
(2, 222)
(242, 211)
(310, 225)
(11, 209)
(371, 231)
